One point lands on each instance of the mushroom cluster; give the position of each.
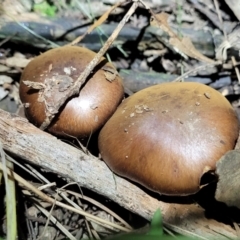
(164, 137)
(167, 136)
(83, 114)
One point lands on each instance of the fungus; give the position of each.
(83, 114)
(167, 136)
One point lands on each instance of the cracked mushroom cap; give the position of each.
(167, 136)
(83, 114)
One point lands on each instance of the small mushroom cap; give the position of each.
(167, 136)
(84, 114)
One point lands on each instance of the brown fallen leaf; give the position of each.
(228, 186)
(183, 45)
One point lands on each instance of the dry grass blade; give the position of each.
(236, 68)
(236, 226)
(100, 206)
(95, 234)
(32, 171)
(97, 23)
(48, 185)
(46, 198)
(55, 222)
(194, 71)
(10, 196)
(50, 43)
(61, 192)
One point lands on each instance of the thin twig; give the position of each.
(101, 206)
(75, 88)
(236, 68)
(216, 4)
(195, 70)
(51, 218)
(46, 198)
(98, 22)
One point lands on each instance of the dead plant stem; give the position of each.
(75, 88)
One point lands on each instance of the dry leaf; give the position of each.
(110, 73)
(183, 45)
(109, 76)
(15, 62)
(228, 186)
(5, 79)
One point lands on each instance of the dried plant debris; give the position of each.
(48, 218)
(15, 61)
(228, 186)
(235, 7)
(182, 45)
(179, 45)
(232, 41)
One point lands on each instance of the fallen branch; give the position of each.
(24, 140)
(64, 30)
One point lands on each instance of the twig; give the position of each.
(101, 206)
(211, 16)
(60, 204)
(97, 23)
(51, 218)
(220, 18)
(22, 139)
(75, 88)
(235, 68)
(195, 70)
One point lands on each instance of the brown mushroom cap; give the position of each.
(81, 115)
(167, 136)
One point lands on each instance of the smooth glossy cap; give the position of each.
(167, 136)
(84, 114)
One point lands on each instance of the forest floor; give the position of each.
(163, 41)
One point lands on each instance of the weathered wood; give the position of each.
(135, 81)
(63, 30)
(24, 140)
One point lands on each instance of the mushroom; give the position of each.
(167, 136)
(83, 114)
